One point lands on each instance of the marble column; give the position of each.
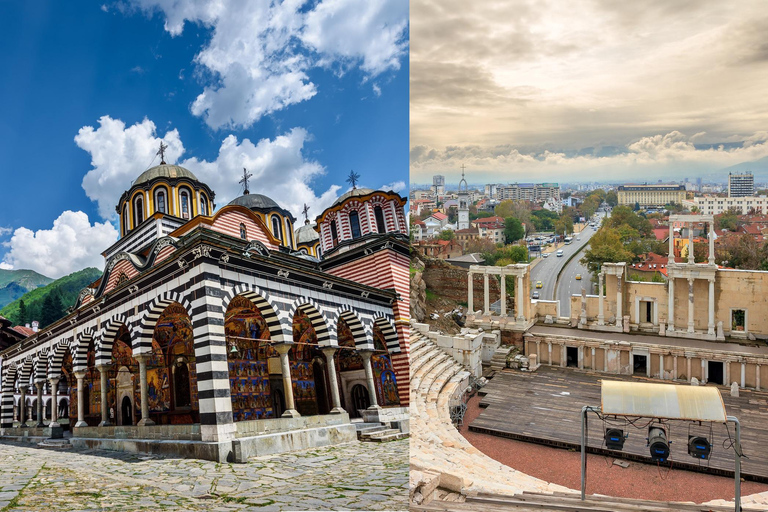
(503, 294)
(486, 295)
(600, 300)
(519, 293)
(690, 305)
(563, 356)
(690, 243)
(711, 318)
(711, 259)
(619, 300)
(661, 366)
(688, 368)
(470, 294)
(80, 405)
(549, 349)
(674, 368)
(704, 371)
(757, 377)
(54, 402)
(285, 366)
(631, 363)
(329, 353)
(145, 419)
(23, 406)
(605, 359)
(727, 365)
(594, 361)
(40, 385)
(671, 256)
(103, 371)
(671, 307)
(369, 375)
(743, 375)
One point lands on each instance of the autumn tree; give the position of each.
(605, 246)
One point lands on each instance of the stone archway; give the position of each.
(349, 365)
(302, 356)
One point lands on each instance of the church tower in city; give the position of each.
(463, 202)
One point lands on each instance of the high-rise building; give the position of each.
(534, 192)
(438, 184)
(741, 185)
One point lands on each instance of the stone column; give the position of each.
(145, 419)
(704, 371)
(618, 301)
(711, 322)
(711, 259)
(674, 368)
(727, 365)
(671, 256)
(329, 353)
(23, 406)
(503, 294)
(538, 351)
(690, 304)
(594, 361)
(690, 242)
(563, 355)
(661, 366)
(486, 297)
(600, 300)
(743, 375)
(671, 306)
(54, 402)
(688, 367)
(470, 294)
(80, 405)
(631, 362)
(369, 373)
(103, 369)
(519, 293)
(40, 385)
(580, 357)
(285, 366)
(605, 359)
(549, 348)
(757, 377)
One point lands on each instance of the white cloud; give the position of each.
(5, 231)
(119, 154)
(395, 186)
(72, 244)
(260, 52)
(5, 266)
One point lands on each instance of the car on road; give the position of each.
(559, 252)
(535, 295)
(545, 255)
(578, 277)
(538, 284)
(578, 239)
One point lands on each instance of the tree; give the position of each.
(637, 206)
(727, 220)
(612, 198)
(22, 318)
(518, 253)
(446, 234)
(521, 210)
(481, 245)
(605, 246)
(513, 229)
(452, 214)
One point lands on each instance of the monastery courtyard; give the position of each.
(352, 476)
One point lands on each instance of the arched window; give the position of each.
(276, 227)
(203, 205)
(381, 226)
(138, 210)
(288, 233)
(354, 222)
(161, 201)
(243, 232)
(126, 220)
(185, 205)
(334, 232)
(319, 251)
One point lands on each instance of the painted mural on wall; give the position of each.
(247, 352)
(348, 359)
(68, 375)
(122, 357)
(302, 373)
(383, 373)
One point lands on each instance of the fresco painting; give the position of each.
(383, 373)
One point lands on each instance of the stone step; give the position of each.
(388, 437)
(361, 425)
(378, 433)
(55, 444)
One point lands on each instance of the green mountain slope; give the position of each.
(63, 290)
(15, 283)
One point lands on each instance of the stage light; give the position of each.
(657, 441)
(614, 439)
(699, 447)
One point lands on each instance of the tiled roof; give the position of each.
(23, 330)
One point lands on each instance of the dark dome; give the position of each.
(255, 201)
(353, 193)
(165, 171)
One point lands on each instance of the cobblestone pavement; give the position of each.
(353, 476)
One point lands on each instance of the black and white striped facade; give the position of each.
(204, 273)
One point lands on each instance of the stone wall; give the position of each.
(450, 282)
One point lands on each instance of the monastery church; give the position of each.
(224, 334)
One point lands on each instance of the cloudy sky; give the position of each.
(299, 92)
(524, 90)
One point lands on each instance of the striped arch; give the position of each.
(6, 403)
(326, 337)
(56, 358)
(145, 329)
(278, 331)
(80, 349)
(106, 339)
(40, 365)
(25, 371)
(390, 334)
(362, 333)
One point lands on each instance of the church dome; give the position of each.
(356, 192)
(258, 201)
(165, 171)
(306, 234)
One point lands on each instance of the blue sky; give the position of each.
(303, 100)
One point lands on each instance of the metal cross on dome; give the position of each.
(305, 211)
(161, 152)
(244, 181)
(352, 179)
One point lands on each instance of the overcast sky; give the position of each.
(581, 89)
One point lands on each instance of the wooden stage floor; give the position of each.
(545, 407)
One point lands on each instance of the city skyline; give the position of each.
(666, 90)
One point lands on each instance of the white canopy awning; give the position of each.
(669, 401)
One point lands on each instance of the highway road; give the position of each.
(546, 271)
